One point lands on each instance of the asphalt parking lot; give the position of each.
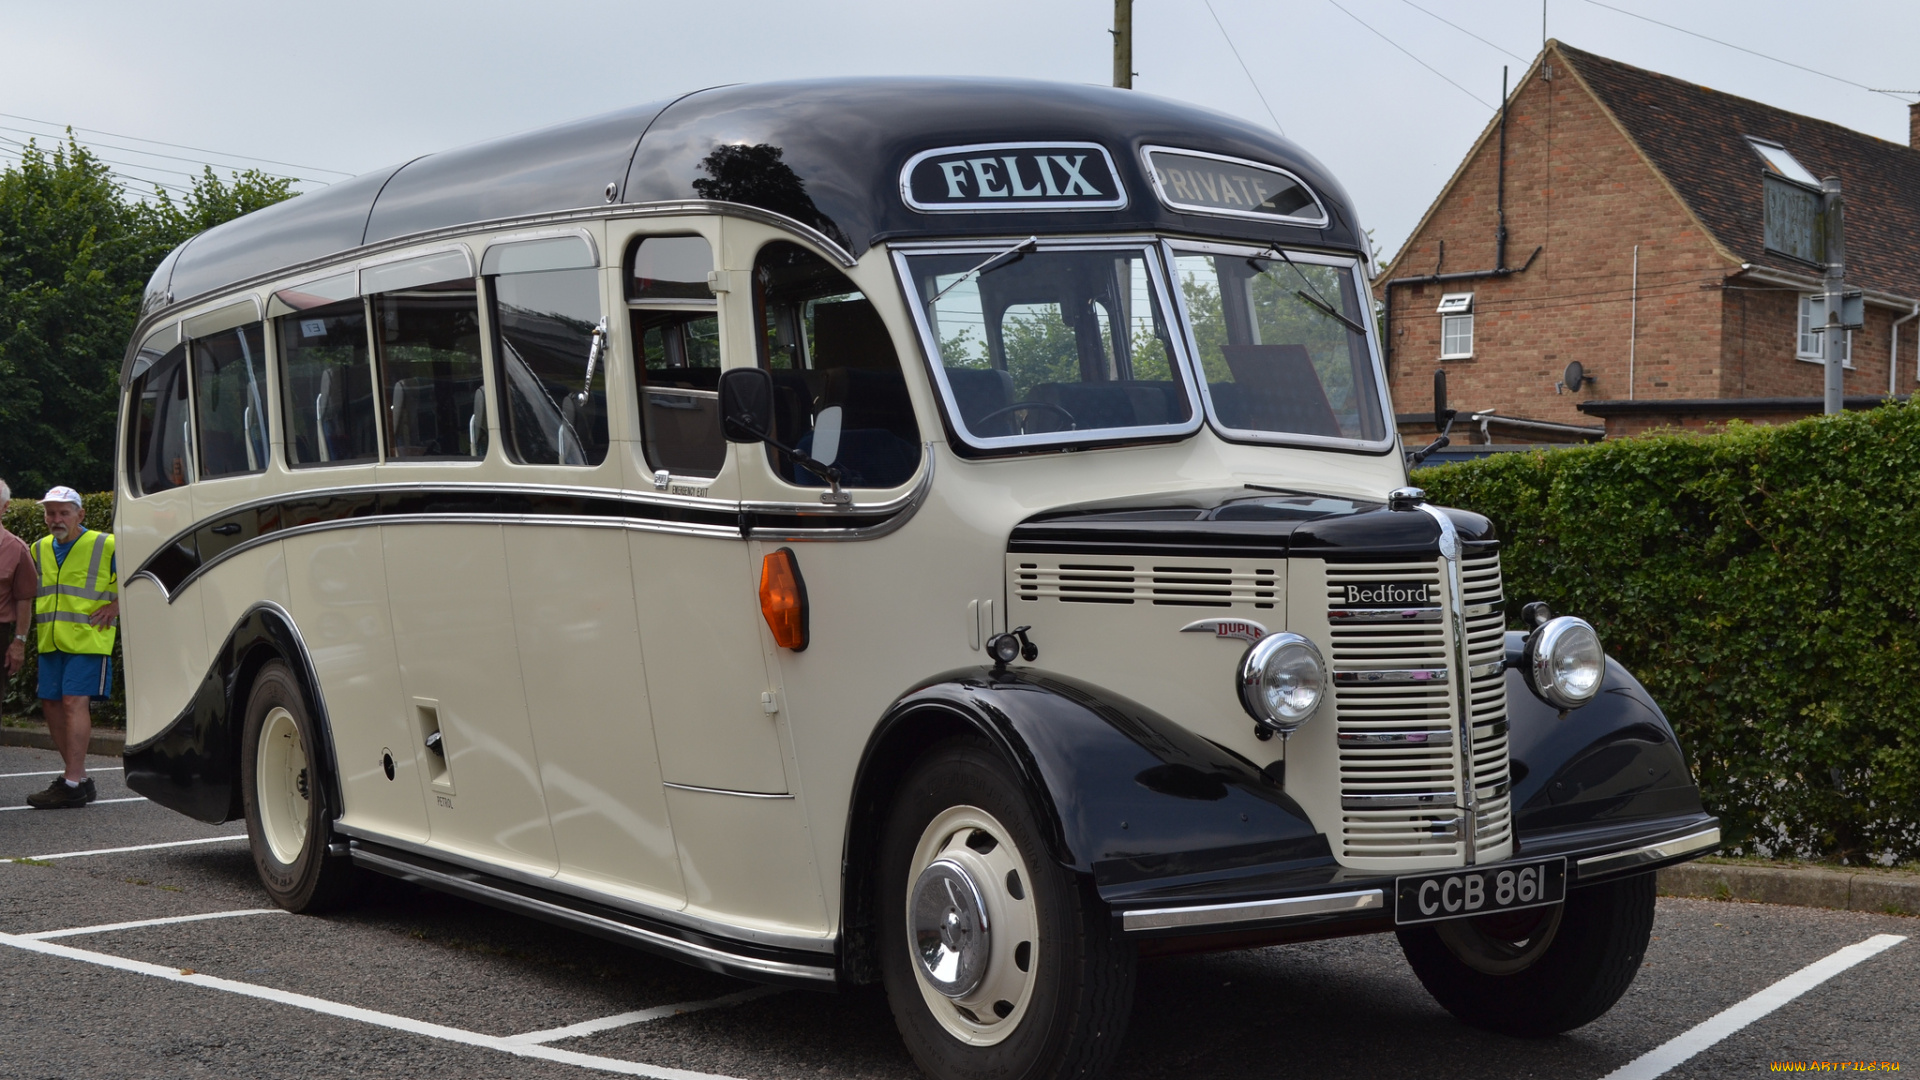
(411, 983)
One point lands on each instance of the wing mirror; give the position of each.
(1442, 419)
(746, 405)
(746, 415)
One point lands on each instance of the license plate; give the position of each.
(1456, 894)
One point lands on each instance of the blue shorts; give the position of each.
(75, 675)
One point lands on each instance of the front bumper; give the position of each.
(1593, 856)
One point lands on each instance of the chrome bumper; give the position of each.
(1215, 918)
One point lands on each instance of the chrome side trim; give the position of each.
(1474, 611)
(586, 920)
(1216, 915)
(795, 942)
(727, 791)
(1648, 853)
(1383, 615)
(1392, 677)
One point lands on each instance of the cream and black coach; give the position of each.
(947, 533)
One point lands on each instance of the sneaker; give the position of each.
(58, 796)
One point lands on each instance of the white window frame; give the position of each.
(1808, 345)
(1456, 314)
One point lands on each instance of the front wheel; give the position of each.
(288, 820)
(997, 961)
(1540, 971)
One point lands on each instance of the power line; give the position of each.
(169, 157)
(1749, 52)
(1465, 31)
(1410, 56)
(1243, 66)
(176, 146)
(170, 186)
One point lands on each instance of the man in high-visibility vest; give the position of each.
(73, 618)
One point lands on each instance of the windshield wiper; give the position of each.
(993, 263)
(1314, 299)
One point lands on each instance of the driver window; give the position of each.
(826, 346)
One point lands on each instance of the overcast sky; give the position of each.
(351, 85)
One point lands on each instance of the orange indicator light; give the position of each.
(783, 599)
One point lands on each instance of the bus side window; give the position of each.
(229, 401)
(428, 341)
(161, 436)
(327, 386)
(545, 324)
(825, 345)
(676, 342)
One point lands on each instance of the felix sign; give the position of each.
(1000, 177)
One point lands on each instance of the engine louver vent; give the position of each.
(1201, 584)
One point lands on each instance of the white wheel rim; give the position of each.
(1490, 955)
(281, 784)
(1009, 922)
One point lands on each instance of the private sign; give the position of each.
(999, 177)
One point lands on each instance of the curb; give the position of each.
(1879, 893)
(106, 742)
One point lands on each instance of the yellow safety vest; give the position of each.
(72, 590)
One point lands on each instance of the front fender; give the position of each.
(1127, 794)
(1611, 762)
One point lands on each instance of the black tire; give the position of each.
(1521, 974)
(289, 823)
(1073, 1005)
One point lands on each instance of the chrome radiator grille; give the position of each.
(1401, 762)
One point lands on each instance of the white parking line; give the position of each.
(96, 802)
(136, 847)
(619, 1020)
(1660, 1059)
(354, 1012)
(56, 772)
(103, 928)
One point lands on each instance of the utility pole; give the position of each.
(1834, 338)
(1122, 44)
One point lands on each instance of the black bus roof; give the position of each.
(826, 153)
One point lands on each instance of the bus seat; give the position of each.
(979, 391)
(1093, 405)
(870, 399)
(1280, 390)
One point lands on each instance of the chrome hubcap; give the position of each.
(950, 932)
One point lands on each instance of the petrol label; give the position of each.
(1001, 177)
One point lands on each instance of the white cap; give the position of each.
(63, 494)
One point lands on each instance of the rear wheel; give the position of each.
(997, 961)
(288, 819)
(1540, 971)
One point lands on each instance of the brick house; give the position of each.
(1608, 166)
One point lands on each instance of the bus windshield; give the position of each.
(1037, 345)
(1282, 345)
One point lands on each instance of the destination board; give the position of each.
(1213, 184)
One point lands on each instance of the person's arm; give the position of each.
(25, 587)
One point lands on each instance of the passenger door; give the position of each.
(574, 615)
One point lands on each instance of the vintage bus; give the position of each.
(948, 533)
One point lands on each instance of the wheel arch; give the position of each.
(1121, 793)
(193, 764)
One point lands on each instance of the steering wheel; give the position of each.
(1007, 410)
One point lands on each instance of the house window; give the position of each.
(1807, 343)
(1456, 326)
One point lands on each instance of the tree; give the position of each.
(75, 256)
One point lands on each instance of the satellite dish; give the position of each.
(1574, 376)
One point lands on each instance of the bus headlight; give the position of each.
(1564, 662)
(1281, 681)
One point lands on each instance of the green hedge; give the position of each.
(23, 519)
(1764, 584)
